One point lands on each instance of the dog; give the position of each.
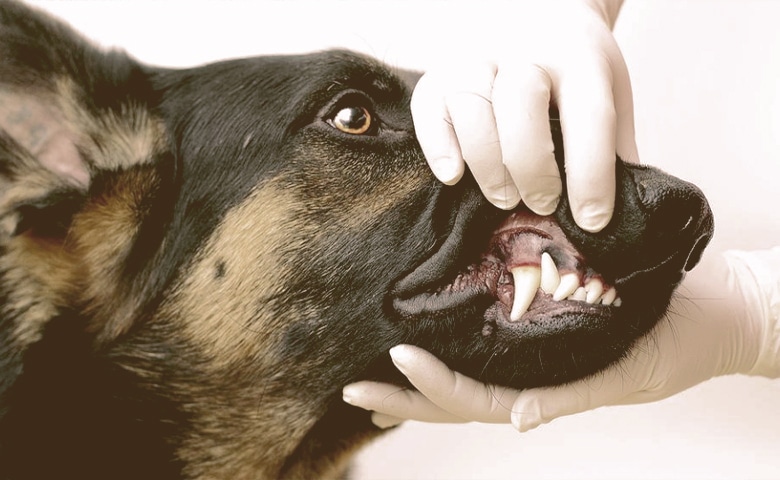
(194, 262)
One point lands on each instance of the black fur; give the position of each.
(114, 382)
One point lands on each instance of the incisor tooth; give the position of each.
(527, 280)
(569, 283)
(595, 288)
(579, 295)
(550, 277)
(609, 296)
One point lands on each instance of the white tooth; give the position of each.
(579, 295)
(550, 277)
(569, 283)
(618, 302)
(609, 296)
(595, 288)
(527, 280)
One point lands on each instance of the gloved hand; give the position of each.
(726, 321)
(492, 114)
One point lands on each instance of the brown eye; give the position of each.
(354, 120)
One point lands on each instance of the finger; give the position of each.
(394, 401)
(521, 102)
(459, 395)
(471, 110)
(588, 119)
(385, 421)
(538, 406)
(624, 110)
(434, 131)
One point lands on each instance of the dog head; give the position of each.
(195, 262)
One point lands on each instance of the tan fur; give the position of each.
(112, 140)
(101, 237)
(230, 320)
(103, 232)
(366, 208)
(218, 311)
(38, 280)
(243, 415)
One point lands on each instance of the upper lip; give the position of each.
(525, 254)
(444, 261)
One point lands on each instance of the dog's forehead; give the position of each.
(346, 68)
(229, 97)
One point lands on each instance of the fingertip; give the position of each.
(383, 421)
(400, 351)
(508, 199)
(542, 204)
(352, 393)
(521, 423)
(447, 170)
(593, 218)
(527, 413)
(347, 395)
(418, 365)
(402, 355)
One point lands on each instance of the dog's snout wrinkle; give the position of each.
(443, 260)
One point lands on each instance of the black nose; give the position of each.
(679, 216)
(661, 225)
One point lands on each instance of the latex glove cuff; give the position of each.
(759, 274)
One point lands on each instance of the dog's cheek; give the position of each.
(355, 176)
(230, 288)
(233, 309)
(367, 218)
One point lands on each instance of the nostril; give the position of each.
(688, 222)
(696, 252)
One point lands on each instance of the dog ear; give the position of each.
(67, 112)
(82, 160)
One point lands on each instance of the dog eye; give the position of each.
(352, 120)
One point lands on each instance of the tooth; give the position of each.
(595, 288)
(569, 283)
(618, 302)
(527, 280)
(550, 277)
(609, 296)
(579, 295)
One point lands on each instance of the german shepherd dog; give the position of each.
(194, 262)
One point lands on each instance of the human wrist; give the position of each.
(759, 279)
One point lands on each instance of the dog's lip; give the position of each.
(514, 260)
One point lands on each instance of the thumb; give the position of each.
(538, 406)
(451, 391)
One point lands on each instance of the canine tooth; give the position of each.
(609, 296)
(595, 288)
(550, 276)
(618, 302)
(579, 295)
(569, 283)
(527, 280)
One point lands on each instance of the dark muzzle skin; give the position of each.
(226, 250)
(659, 230)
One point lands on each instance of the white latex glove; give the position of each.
(491, 113)
(727, 321)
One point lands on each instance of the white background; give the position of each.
(706, 78)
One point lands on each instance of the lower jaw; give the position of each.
(544, 309)
(484, 318)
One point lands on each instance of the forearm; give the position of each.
(608, 9)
